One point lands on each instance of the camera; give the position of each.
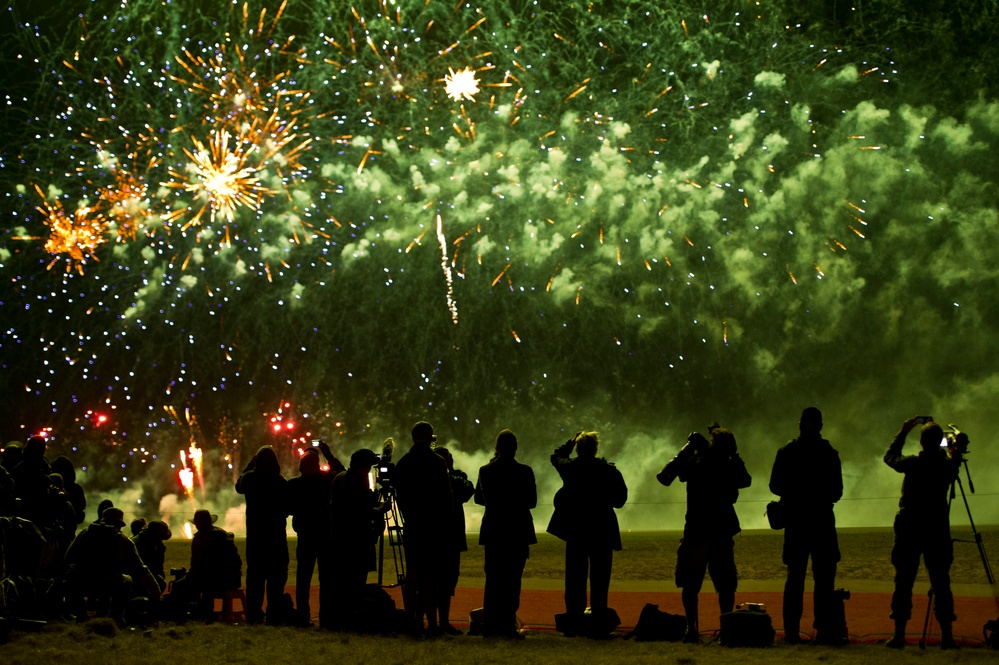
(955, 441)
(696, 443)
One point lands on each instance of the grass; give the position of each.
(198, 645)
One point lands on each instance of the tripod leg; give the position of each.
(926, 621)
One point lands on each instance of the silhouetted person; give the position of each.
(423, 491)
(508, 491)
(456, 543)
(357, 521)
(922, 526)
(309, 496)
(103, 565)
(216, 566)
(151, 546)
(11, 455)
(808, 478)
(58, 524)
(266, 492)
(584, 518)
(714, 474)
(64, 467)
(31, 480)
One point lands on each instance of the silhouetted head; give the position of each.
(423, 433)
(159, 530)
(203, 520)
(56, 481)
(137, 525)
(267, 461)
(64, 468)
(506, 444)
(113, 517)
(309, 464)
(102, 506)
(587, 444)
(445, 455)
(811, 421)
(363, 460)
(930, 436)
(723, 441)
(34, 450)
(11, 456)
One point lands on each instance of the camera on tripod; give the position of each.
(955, 441)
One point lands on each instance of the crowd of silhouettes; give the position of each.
(341, 513)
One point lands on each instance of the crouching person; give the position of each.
(104, 569)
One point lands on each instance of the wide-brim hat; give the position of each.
(202, 516)
(114, 517)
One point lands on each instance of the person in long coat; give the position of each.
(508, 491)
(267, 511)
(584, 518)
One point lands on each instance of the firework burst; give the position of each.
(220, 177)
(76, 235)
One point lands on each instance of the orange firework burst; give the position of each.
(76, 235)
(220, 177)
(250, 102)
(126, 202)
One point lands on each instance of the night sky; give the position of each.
(547, 216)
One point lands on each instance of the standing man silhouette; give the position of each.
(423, 490)
(808, 478)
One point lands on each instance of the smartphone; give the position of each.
(922, 420)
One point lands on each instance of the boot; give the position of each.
(947, 637)
(898, 640)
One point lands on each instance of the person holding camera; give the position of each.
(714, 474)
(309, 503)
(808, 478)
(922, 524)
(584, 518)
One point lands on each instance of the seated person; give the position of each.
(216, 566)
(152, 549)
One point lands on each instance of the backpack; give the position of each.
(746, 628)
(990, 631)
(655, 625)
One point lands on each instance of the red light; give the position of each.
(277, 427)
(290, 425)
(100, 419)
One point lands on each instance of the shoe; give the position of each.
(823, 639)
(896, 642)
(792, 638)
(451, 630)
(947, 643)
(691, 637)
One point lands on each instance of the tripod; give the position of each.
(392, 532)
(977, 540)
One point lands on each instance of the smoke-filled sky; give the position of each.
(548, 216)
